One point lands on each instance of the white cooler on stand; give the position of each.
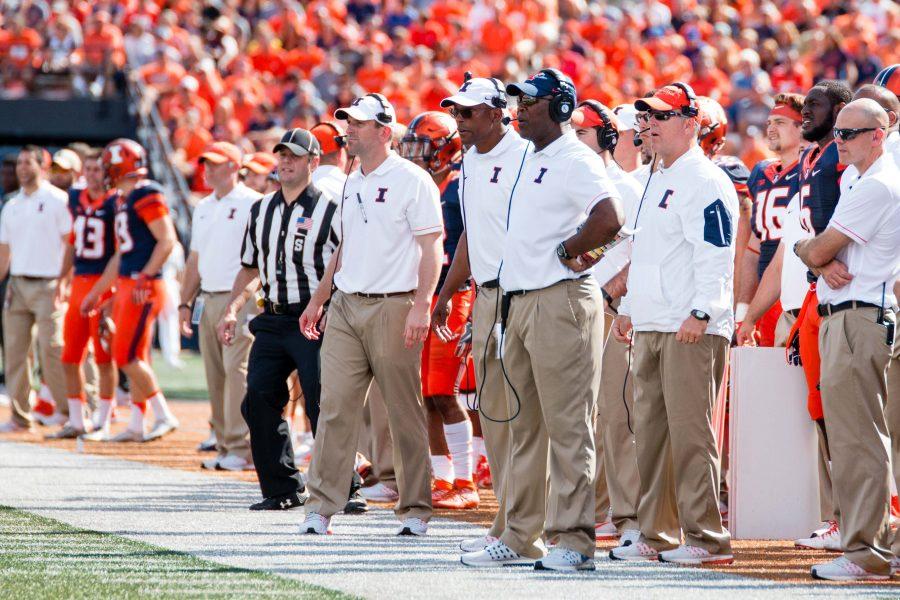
(773, 478)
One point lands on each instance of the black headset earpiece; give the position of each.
(383, 117)
(692, 110)
(607, 134)
(562, 103)
(498, 101)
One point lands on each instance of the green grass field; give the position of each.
(44, 558)
(188, 383)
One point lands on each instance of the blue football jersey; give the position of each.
(820, 186)
(136, 242)
(453, 222)
(771, 186)
(93, 230)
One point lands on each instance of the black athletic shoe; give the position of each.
(286, 502)
(356, 505)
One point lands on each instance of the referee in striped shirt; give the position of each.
(290, 237)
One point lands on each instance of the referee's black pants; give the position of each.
(278, 349)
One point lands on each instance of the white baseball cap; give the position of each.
(627, 115)
(371, 107)
(68, 160)
(479, 90)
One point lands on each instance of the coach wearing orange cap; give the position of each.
(679, 305)
(214, 261)
(331, 174)
(258, 172)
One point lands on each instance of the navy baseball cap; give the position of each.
(538, 85)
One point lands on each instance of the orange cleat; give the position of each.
(444, 495)
(467, 493)
(483, 473)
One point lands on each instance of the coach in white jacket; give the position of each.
(679, 305)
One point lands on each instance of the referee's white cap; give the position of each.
(371, 107)
(478, 90)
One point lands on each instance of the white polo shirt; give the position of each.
(216, 228)
(33, 226)
(682, 257)
(891, 148)
(330, 179)
(484, 194)
(382, 213)
(869, 214)
(629, 192)
(559, 186)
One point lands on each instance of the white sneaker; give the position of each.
(161, 427)
(828, 537)
(476, 544)
(379, 493)
(50, 421)
(98, 435)
(232, 462)
(843, 569)
(629, 536)
(316, 524)
(413, 526)
(4, 399)
(564, 559)
(686, 554)
(128, 436)
(209, 444)
(497, 554)
(636, 550)
(605, 531)
(211, 464)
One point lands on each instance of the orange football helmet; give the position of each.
(123, 159)
(432, 138)
(889, 78)
(713, 125)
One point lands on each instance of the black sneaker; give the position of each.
(286, 502)
(356, 505)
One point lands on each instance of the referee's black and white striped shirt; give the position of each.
(290, 245)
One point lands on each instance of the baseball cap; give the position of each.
(68, 160)
(478, 90)
(585, 116)
(300, 142)
(538, 85)
(627, 116)
(670, 97)
(221, 152)
(260, 163)
(371, 107)
(325, 132)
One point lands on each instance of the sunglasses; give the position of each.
(849, 133)
(526, 100)
(663, 115)
(462, 113)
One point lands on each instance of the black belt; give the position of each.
(508, 296)
(207, 292)
(34, 278)
(830, 309)
(493, 284)
(387, 295)
(794, 312)
(294, 309)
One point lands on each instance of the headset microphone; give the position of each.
(507, 120)
(637, 136)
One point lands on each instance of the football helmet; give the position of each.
(713, 126)
(432, 138)
(123, 159)
(889, 78)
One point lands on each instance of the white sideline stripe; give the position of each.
(207, 516)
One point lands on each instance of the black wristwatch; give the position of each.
(562, 253)
(700, 315)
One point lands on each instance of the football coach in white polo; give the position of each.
(385, 272)
(563, 206)
(679, 303)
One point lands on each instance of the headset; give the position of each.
(691, 110)
(563, 100)
(383, 117)
(340, 140)
(496, 101)
(607, 134)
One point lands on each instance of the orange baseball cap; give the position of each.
(586, 116)
(261, 163)
(670, 97)
(325, 132)
(220, 152)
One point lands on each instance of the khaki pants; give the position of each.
(494, 409)
(30, 302)
(364, 339)
(892, 414)
(855, 360)
(783, 327)
(375, 438)
(619, 455)
(552, 351)
(226, 374)
(675, 386)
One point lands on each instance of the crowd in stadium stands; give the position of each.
(243, 71)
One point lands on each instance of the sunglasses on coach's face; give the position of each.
(848, 133)
(462, 113)
(663, 115)
(526, 100)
